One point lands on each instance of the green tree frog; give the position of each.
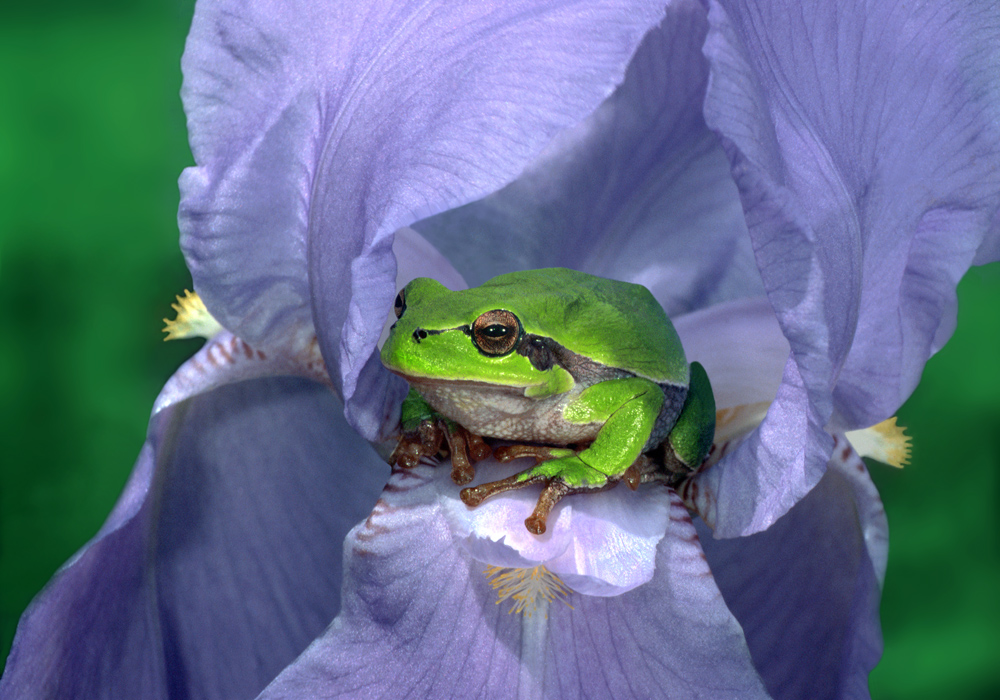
(586, 375)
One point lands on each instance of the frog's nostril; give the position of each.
(419, 334)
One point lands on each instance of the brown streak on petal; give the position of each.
(401, 474)
(372, 529)
(382, 509)
(381, 506)
(371, 532)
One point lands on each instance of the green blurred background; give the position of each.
(92, 140)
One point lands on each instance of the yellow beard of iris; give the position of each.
(528, 588)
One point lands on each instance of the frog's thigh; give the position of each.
(692, 434)
(628, 409)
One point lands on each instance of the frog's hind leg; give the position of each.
(553, 492)
(643, 470)
(690, 440)
(472, 496)
(554, 489)
(540, 453)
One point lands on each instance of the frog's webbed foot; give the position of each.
(464, 447)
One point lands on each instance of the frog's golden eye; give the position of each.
(496, 332)
(400, 306)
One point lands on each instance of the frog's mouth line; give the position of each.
(422, 333)
(419, 380)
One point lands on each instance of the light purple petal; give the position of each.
(865, 140)
(420, 620)
(806, 591)
(741, 346)
(416, 257)
(599, 544)
(769, 471)
(640, 191)
(747, 359)
(320, 128)
(226, 359)
(221, 561)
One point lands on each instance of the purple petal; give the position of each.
(806, 591)
(221, 561)
(420, 620)
(321, 128)
(864, 139)
(640, 191)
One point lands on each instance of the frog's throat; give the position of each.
(418, 382)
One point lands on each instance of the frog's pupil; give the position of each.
(496, 331)
(400, 306)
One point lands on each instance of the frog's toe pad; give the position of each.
(551, 494)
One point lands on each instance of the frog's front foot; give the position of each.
(464, 447)
(563, 473)
(424, 441)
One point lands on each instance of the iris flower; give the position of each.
(801, 186)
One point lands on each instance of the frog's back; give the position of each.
(617, 324)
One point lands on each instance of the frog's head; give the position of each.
(473, 335)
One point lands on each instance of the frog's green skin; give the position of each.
(557, 357)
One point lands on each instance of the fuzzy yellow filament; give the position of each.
(527, 588)
(193, 319)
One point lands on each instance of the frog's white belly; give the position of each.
(506, 413)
